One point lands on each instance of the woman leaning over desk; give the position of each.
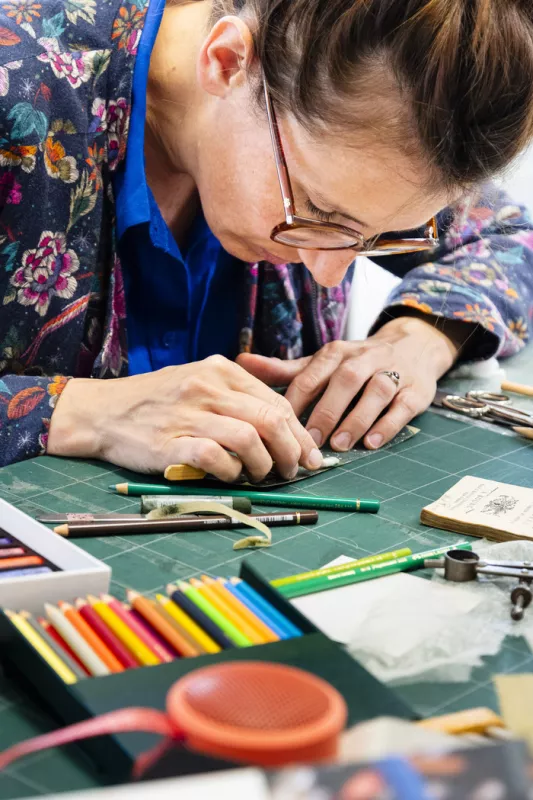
(142, 227)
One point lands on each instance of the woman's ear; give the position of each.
(225, 57)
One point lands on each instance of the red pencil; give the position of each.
(100, 628)
(157, 647)
(49, 628)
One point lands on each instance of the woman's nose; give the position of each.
(328, 267)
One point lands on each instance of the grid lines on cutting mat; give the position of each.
(404, 478)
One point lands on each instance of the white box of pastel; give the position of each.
(73, 573)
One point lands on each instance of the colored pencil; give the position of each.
(151, 632)
(267, 607)
(149, 609)
(227, 611)
(106, 635)
(85, 652)
(5, 542)
(517, 388)
(212, 611)
(160, 648)
(266, 633)
(25, 561)
(45, 651)
(359, 574)
(23, 573)
(197, 615)
(359, 562)
(10, 552)
(203, 640)
(122, 631)
(527, 433)
(92, 639)
(74, 517)
(265, 498)
(84, 530)
(280, 632)
(51, 631)
(58, 650)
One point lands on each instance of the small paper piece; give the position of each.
(515, 693)
(479, 507)
(218, 508)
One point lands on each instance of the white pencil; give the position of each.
(75, 640)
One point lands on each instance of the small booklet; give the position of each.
(479, 507)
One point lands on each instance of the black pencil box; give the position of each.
(114, 756)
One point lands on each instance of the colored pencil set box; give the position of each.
(64, 570)
(148, 686)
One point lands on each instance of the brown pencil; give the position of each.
(180, 525)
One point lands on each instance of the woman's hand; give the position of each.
(191, 414)
(410, 346)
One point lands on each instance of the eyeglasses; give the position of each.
(313, 234)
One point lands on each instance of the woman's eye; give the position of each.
(319, 213)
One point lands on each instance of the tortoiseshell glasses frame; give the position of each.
(313, 234)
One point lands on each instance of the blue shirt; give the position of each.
(183, 304)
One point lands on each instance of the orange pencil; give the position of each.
(149, 611)
(228, 611)
(262, 629)
(94, 641)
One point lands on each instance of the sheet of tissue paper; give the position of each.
(421, 636)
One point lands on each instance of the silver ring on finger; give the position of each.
(394, 376)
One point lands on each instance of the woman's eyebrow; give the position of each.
(321, 199)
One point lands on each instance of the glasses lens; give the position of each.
(315, 238)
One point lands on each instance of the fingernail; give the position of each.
(293, 473)
(315, 434)
(315, 459)
(343, 441)
(375, 440)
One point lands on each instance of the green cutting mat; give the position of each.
(405, 479)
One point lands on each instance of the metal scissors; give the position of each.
(489, 406)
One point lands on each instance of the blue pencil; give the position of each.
(201, 619)
(267, 608)
(268, 619)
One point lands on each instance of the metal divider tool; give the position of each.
(461, 566)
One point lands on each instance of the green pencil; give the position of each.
(214, 614)
(262, 498)
(359, 574)
(359, 562)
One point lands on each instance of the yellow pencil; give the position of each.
(228, 611)
(128, 638)
(184, 621)
(44, 650)
(266, 634)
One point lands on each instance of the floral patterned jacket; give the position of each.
(66, 70)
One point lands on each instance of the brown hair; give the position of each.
(462, 70)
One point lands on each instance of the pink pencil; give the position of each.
(142, 631)
(107, 636)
